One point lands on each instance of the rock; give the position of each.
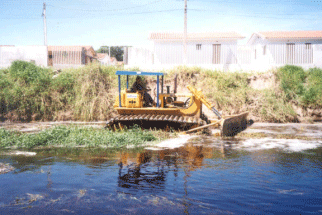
(262, 81)
(5, 168)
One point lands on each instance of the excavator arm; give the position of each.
(229, 125)
(199, 95)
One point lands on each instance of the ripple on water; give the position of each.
(172, 143)
(292, 145)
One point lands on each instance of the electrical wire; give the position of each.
(253, 2)
(261, 13)
(103, 10)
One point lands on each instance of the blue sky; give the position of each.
(129, 22)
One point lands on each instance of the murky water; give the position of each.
(204, 176)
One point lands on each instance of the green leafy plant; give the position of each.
(292, 80)
(74, 136)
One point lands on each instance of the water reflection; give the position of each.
(143, 174)
(149, 169)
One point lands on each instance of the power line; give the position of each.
(103, 10)
(261, 13)
(7, 18)
(111, 14)
(253, 2)
(257, 15)
(137, 13)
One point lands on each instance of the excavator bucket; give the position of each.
(232, 125)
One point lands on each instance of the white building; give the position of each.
(277, 48)
(215, 50)
(103, 58)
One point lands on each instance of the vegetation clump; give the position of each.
(302, 87)
(75, 136)
(29, 92)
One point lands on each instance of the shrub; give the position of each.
(25, 89)
(313, 94)
(291, 81)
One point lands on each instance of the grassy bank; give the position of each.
(28, 92)
(74, 136)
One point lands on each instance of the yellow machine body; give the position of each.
(132, 104)
(129, 100)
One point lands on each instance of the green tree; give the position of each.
(116, 51)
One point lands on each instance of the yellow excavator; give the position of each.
(171, 110)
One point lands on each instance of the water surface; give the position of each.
(205, 176)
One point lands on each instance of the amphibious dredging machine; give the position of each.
(171, 110)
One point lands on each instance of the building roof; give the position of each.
(89, 49)
(285, 35)
(113, 59)
(68, 48)
(196, 36)
(101, 55)
(65, 48)
(291, 34)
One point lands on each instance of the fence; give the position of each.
(36, 54)
(66, 56)
(229, 57)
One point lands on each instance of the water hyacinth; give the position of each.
(75, 136)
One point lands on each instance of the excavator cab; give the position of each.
(128, 99)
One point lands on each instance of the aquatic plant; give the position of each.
(76, 136)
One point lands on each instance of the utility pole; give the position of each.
(45, 23)
(185, 58)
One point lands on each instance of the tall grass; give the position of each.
(94, 92)
(313, 93)
(29, 92)
(292, 81)
(301, 87)
(24, 90)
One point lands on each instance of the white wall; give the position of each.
(140, 56)
(172, 52)
(37, 54)
(234, 57)
(317, 57)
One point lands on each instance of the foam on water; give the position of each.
(293, 145)
(22, 153)
(171, 143)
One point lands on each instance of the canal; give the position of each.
(203, 175)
